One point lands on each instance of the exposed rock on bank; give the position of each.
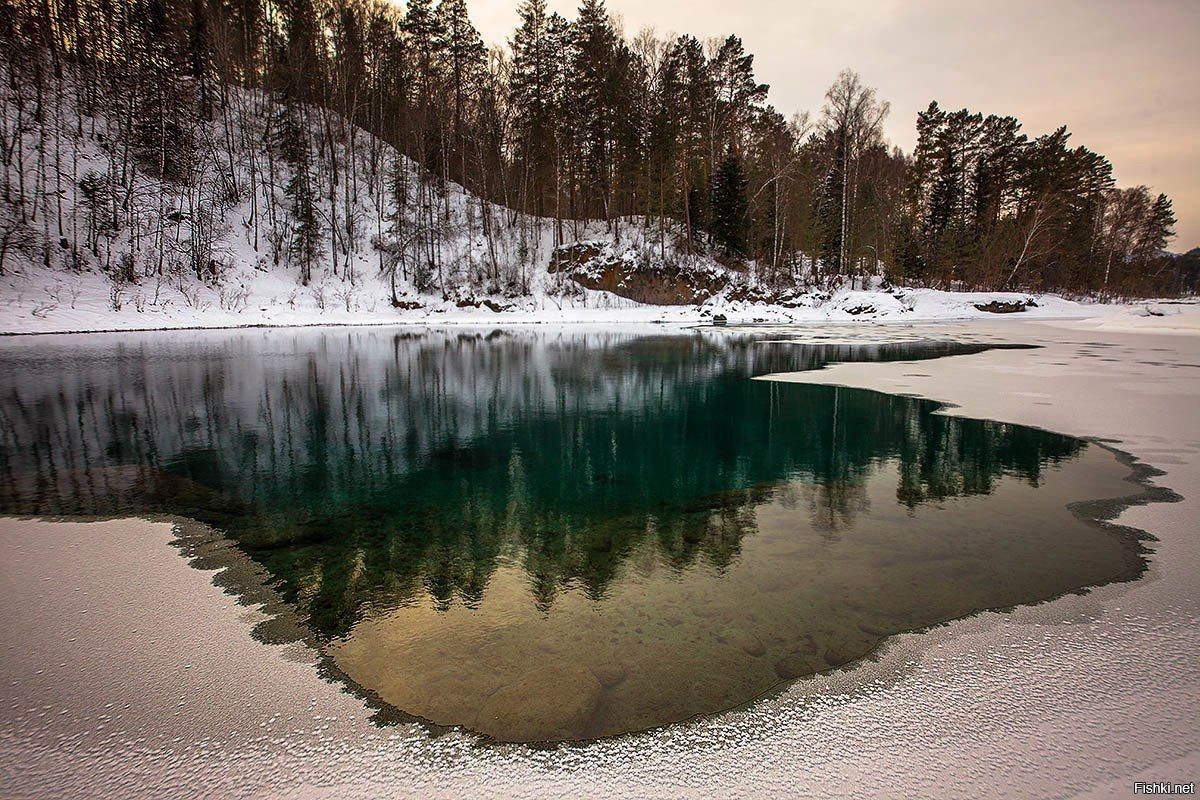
(629, 274)
(1006, 306)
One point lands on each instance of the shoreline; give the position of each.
(94, 314)
(500, 322)
(1184, 317)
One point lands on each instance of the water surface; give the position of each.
(563, 535)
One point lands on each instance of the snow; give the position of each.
(504, 280)
(60, 273)
(36, 300)
(1152, 316)
(1077, 697)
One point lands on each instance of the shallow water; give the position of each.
(563, 535)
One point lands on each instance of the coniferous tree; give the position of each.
(305, 241)
(729, 206)
(425, 39)
(737, 91)
(593, 113)
(573, 122)
(532, 87)
(696, 100)
(464, 51)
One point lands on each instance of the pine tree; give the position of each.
(299, 73)
(737, 90)
(464, 50)
(663, 134)
(532, 94)
(425, 39)
(592, 106)
(1158, 228)
(728, 227)
(423, 30)
(161, 125)
(995, 171)
(627, 98)
(564, 132)
(305, 242)
(199, 46)
(693, 105)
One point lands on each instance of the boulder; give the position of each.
(745, 641)
(609, 674)
(1005, 306)
(794, 665)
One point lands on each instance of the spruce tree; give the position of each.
(532, 94)
(291, 139)
(729, 207)
(592, 104)
(464, 50)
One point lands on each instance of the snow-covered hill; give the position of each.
(93, 241)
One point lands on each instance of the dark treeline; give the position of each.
(575, 121)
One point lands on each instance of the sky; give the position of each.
(1123, 76)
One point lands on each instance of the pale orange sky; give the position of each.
(1124, 77)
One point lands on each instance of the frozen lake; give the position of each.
(541, 536)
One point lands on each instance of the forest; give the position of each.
(141, 137)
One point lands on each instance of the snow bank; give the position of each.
(36, 300)
(1149, 316)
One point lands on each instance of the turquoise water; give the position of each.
(445, 507)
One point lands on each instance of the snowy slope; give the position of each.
(212, 254)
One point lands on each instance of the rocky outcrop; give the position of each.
(1006, 306)
(634, 275)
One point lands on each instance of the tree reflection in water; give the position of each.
(368, 469)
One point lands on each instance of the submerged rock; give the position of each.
(874, 629)
(567, 701)
(837, 655)
(793, 666)
(609, 674)
(744, 640)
